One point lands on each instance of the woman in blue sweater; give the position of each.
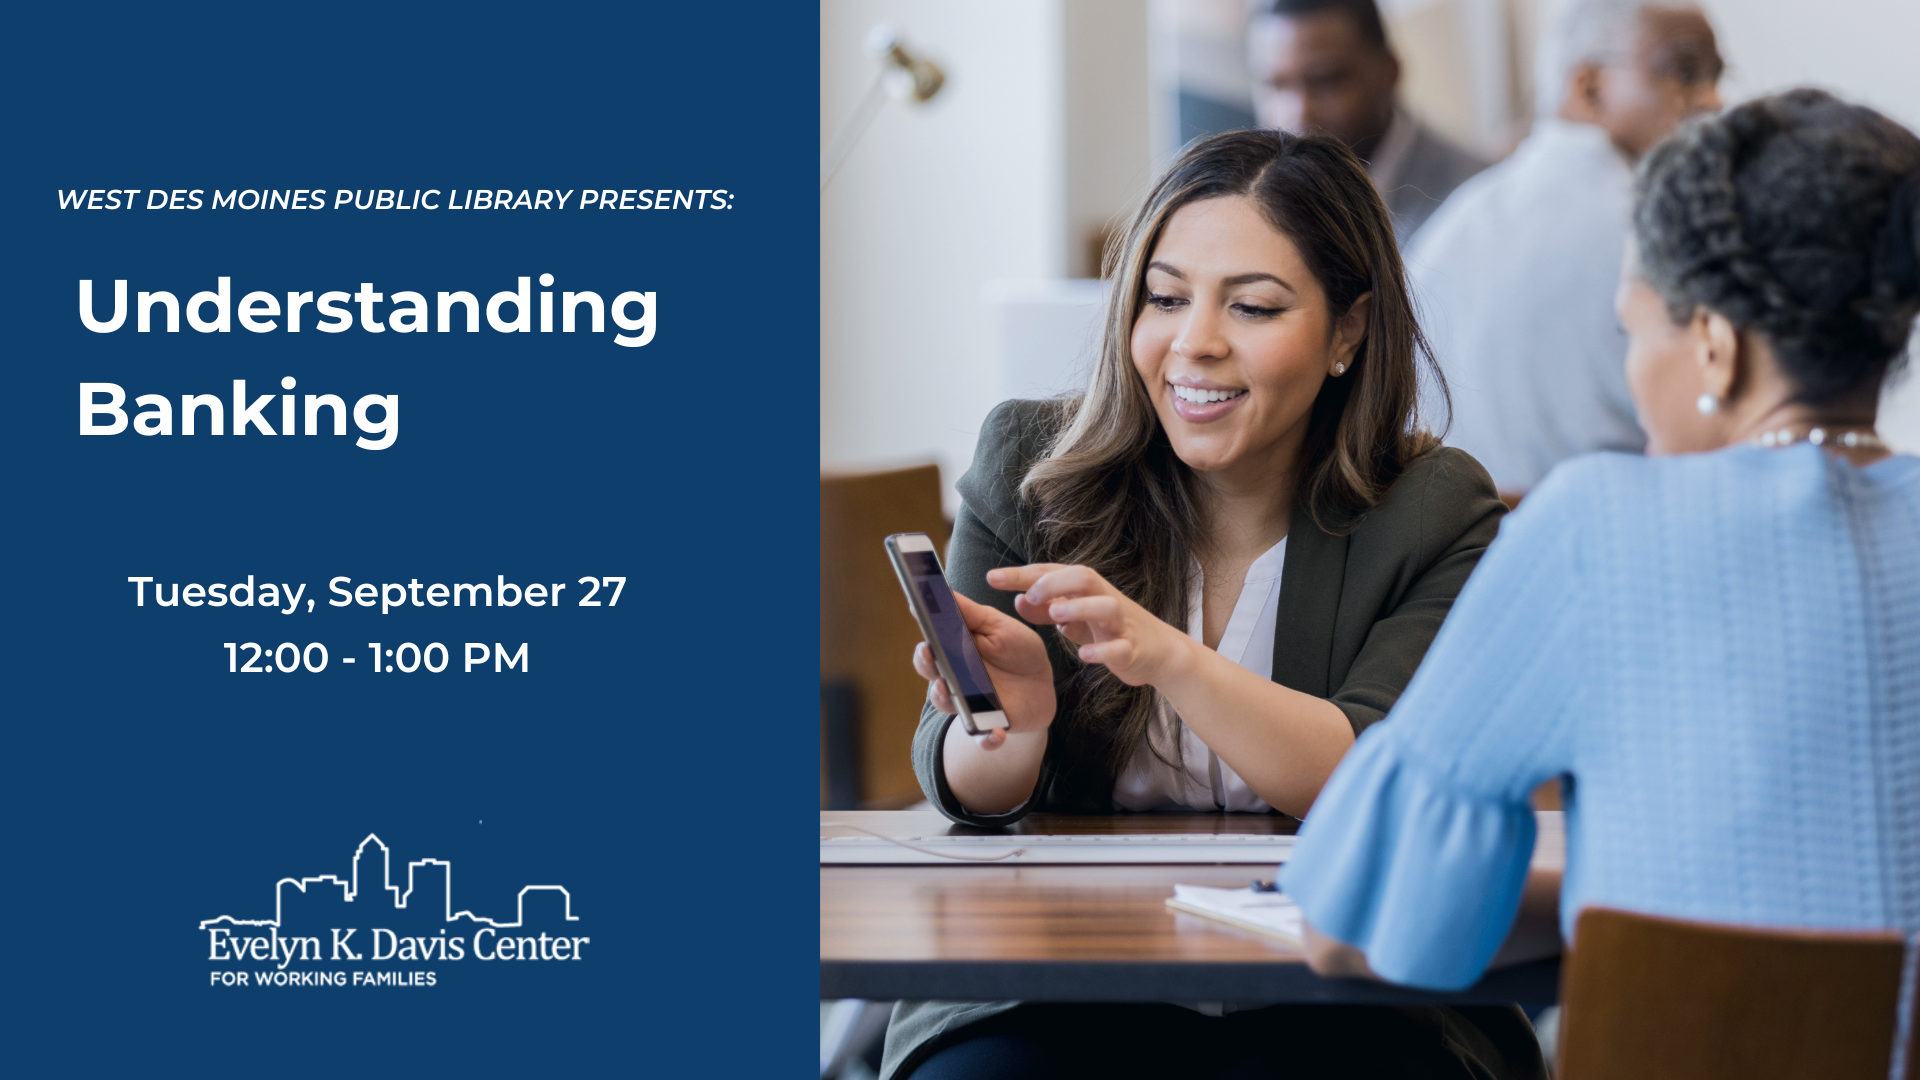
(1716, 646)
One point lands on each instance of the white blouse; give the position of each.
(1204, 782)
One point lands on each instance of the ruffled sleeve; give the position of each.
(1422, 880)
(1417, 850)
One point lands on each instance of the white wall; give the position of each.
(932, 203)
(1004, 174)
(1861, 49)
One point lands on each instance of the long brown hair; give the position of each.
(1111, 494)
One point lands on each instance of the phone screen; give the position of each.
(955, 640)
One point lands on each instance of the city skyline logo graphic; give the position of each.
(368, 917)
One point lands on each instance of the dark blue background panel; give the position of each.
(649, 769)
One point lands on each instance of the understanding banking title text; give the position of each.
(103, 404)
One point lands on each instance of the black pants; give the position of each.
(1117, 1042)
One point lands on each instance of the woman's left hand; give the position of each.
(1136, 645)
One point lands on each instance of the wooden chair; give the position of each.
(870, 704)
(1653, 998)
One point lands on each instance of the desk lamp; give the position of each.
(902, 76)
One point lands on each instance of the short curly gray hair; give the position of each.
(1797, 216)
(1583, 32)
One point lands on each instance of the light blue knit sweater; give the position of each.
(1721, 650)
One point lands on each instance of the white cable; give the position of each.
(1903, 1022)
(927, 851)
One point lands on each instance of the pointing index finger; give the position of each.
(1019, 578)
(1066, 581)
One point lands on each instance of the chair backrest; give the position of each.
(866, 633)
(1653, 998)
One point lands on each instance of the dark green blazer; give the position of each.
(1356, 615)
(1356, 612)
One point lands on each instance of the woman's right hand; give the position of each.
(1016, 658)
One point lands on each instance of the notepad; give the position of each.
(1270, 914)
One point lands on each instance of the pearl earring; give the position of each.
(1339, 369)
(1707, 404)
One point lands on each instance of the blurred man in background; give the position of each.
(1515, 275)
(1325, 66)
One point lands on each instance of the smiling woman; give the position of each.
(1243, 541)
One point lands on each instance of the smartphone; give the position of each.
(938, 614)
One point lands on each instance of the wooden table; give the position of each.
(1083, 933)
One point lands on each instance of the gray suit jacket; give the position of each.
(1356, 615)
(1421, 177)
